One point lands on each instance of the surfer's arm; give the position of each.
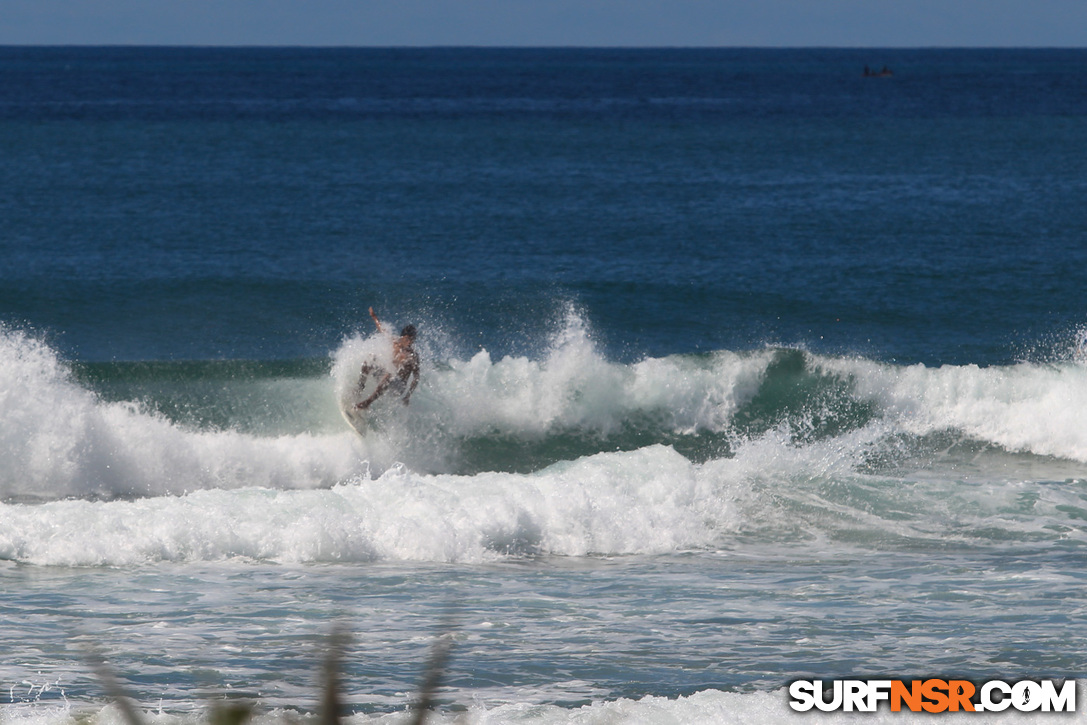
(376, 321)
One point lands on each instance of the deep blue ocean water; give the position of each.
(738, 366)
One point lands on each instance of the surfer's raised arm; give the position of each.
(377, 322)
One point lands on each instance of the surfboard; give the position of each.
(361, 421)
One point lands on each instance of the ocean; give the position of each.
(738, 367)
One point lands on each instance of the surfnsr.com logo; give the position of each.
(933, 695)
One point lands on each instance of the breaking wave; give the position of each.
(569, 454)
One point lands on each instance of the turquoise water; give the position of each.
(738, 368)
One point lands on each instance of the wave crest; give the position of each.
(61, 440)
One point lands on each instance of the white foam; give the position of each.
(647, 501)
(60, 440)
(219, 494)
(709, 707)
(1027, 407)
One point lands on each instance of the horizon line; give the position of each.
(442, 46)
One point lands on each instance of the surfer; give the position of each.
(405, 377)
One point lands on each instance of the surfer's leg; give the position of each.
(381, 388)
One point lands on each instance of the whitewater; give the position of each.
(772, 437)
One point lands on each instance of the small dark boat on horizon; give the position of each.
(885, 72)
